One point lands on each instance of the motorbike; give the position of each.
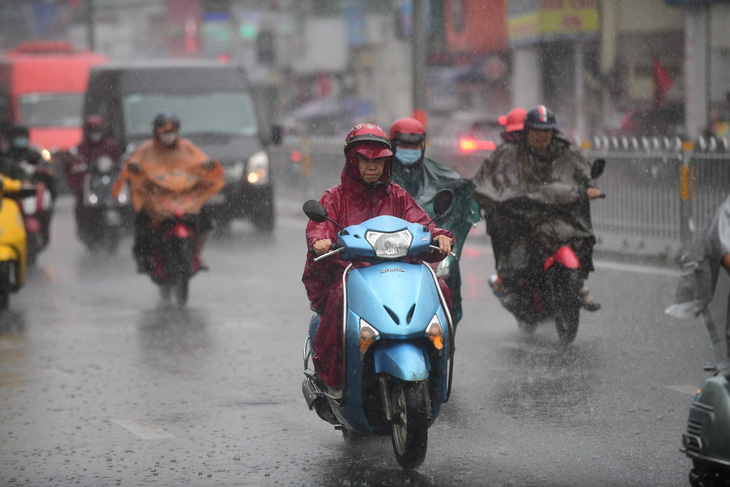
(36, 208)
(13, 245)
(173, 200)
(104, 216)
(706, 441)
(551, 291)
(398, 336)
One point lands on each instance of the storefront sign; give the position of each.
(533, 21)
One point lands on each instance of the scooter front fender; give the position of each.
(402, 360)
(8, 253)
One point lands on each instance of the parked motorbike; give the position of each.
(707, 440)
(551, 291)
(104, 216)
(398, 336)
(13, 245)
(174, 198)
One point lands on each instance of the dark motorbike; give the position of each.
(102, 222)
(173, 197)
(175, 258)
(552, 289)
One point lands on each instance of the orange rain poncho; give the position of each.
(170, 181)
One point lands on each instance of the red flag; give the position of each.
(662, 81)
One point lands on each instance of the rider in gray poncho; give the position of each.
(535, 194)
(704, 289)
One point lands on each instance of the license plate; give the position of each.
(113, 218)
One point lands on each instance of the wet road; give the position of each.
(99, 385)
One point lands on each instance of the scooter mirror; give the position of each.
(442, 202)
(315, 211)
(597, 168)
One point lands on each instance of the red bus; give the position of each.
(42, 85)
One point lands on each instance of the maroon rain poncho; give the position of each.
(350, 203)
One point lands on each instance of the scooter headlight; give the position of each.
(368, 335)
(104, 164)
(124, 197)
(30, 205)
(390, 245)
(258, 168)
(435, 333)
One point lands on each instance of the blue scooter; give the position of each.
(397, 333)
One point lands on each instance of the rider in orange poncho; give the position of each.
(168, 175)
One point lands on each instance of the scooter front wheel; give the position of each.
(410, 422)
(7, 275)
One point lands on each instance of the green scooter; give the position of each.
(707, 439)
(704, 289)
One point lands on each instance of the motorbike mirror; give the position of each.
(315, 211)
(599, 165)
(443, 201)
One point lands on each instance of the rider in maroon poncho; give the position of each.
(365, 192)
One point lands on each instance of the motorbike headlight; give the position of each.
(93, 199)
(258, 168)
(30, 205)
(104, 164)
(46, 155)
(234, 172)
(390, 245)
(123, 197)
(368, 335)
(435, 333)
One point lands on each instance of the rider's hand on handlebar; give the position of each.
(322, 246)
(444, 243)
(594, 193)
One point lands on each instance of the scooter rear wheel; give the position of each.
(181, 292)
(566, 303)
(410, 423)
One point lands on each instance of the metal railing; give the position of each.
(661, 190)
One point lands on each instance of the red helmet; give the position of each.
(93, 122)
(515, 120)
(369, 140)
(408, 130)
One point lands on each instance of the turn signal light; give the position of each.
(368, 335)
(435, 333)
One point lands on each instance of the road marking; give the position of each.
(143, 429)
(685, 389)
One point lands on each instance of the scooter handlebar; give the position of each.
(436, 247)
(334, 249)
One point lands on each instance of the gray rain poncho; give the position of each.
(423, 181)
(704, 287)
(533, 205)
